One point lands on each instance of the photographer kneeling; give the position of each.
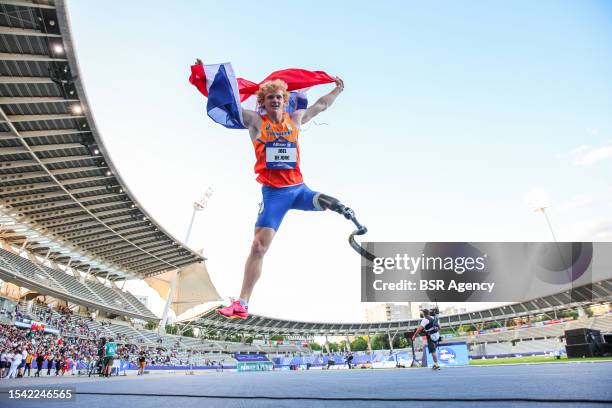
(431, 327)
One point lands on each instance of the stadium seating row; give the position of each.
(89, 290)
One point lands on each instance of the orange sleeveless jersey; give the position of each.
(278, 153)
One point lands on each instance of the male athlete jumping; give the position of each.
(275, 137)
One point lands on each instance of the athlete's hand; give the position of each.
(339, 84)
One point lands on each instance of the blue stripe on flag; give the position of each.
(297, 100)
(223, 106)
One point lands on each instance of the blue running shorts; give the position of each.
(277, 201)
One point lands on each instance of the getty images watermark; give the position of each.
(480, 271)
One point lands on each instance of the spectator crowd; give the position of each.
(29, 352)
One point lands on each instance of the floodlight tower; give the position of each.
(543, 211)
(197, 206)
(559, 250)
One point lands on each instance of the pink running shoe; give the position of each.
(234, 310)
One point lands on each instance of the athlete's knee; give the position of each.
(259, 247)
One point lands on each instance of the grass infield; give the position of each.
(534, 359)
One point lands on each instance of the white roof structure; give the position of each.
(600, 292)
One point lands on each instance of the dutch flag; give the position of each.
(226, 93)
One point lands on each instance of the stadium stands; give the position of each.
(533, 340)
(59, 283)
(603, 324)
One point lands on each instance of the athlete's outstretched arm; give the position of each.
(250, 118)
(323, 103)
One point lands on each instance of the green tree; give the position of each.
(490, 325)
(236, 338)
(380, 342)
(359, 344)
(333, 347)
(569, 313)
(151, 326)
(213, 335)
(277, 337)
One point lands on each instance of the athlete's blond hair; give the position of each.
(272, 86)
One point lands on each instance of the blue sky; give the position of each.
(456, 116)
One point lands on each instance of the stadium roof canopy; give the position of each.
(257, 325)
(60, 195)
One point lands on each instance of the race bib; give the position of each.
(435, 336)
(281, 155)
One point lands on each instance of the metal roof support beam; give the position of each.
(17, 164)
(126, 256)
(121, 210)
(67, 182)
(23, 3)
(142, 234)
(128, 223)
(52, 147)
(94, 236)
(111, 243)
(63, 159)
(38, 207)
(55, 214)
(26, 31)
(22, 176)
(156, 270)
(108, 245)
(75, 226)
(121, 215)
(40, 118)
(117, 249)
(23, 80)
(8, 136)
(18, 100)
(148, 239)
(121, 258)
(80, 242)
(28, 134)
(87, 199)
(82, 190)
(161, 249)
(30, 198)
(32, 187)
(10, 150)
(150, 261)
(5, 56)
(185, 260)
